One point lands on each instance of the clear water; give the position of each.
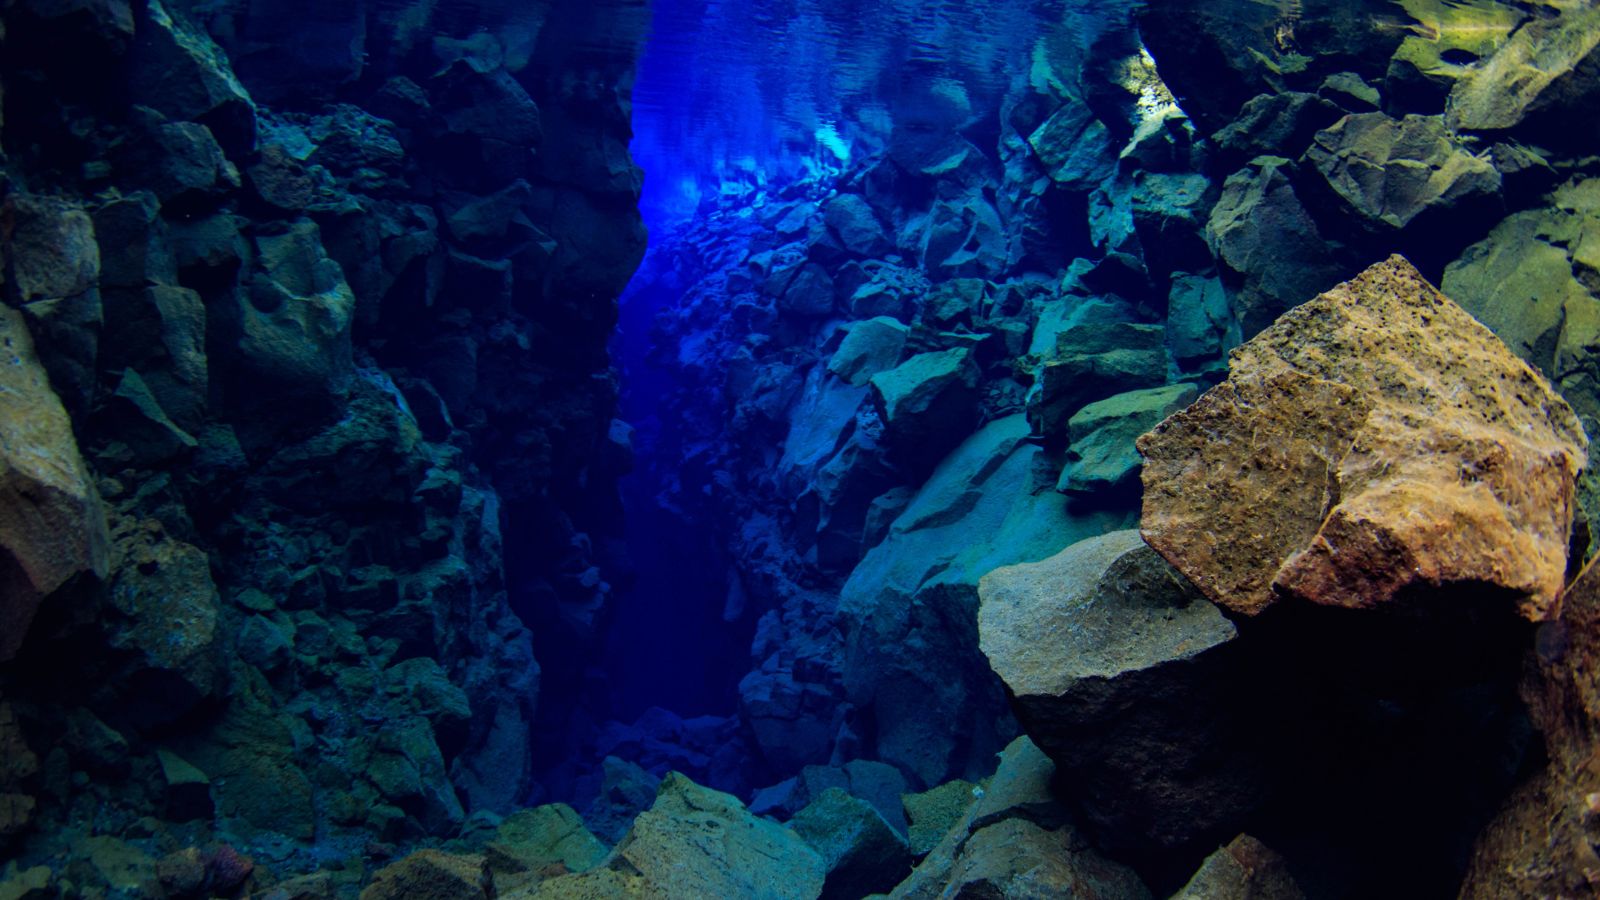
(742, 91)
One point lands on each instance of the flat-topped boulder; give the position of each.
(1375, 441)
(1118, 669)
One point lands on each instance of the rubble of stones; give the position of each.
(321, 358)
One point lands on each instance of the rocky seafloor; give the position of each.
(1171, 483)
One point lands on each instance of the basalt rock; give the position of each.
(1379, 442)
(1121, 672)
(52, 526)
(1537, 84)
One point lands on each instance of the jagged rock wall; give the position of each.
(886, 379)
(325, 291)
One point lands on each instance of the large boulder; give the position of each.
(1531, 282)
(1101, 455)
(1542, 842)
(1539, 85)
(52, 526)
(863, 854)
(1271, 251)
(180, 72)
(927, 404)
(1120, 670)
(1245, 869)
(1391, 175)
(1093, 361)
(696, 842)
(909, 608)
(1375, 442)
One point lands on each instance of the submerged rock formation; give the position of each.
(1374, 442)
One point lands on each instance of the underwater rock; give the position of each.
(1427, 64)
(932, 813)
(1092, 361)
(1531, 281)
(851, 218)
(625, 791)
(1542, 842)
(1409, 173)
(1271, 252)
(52, 268)
(869, 347)
(541, 842)
(862, 853)
(52, 526)
(696, 842)
(1245, 869)
(293, 320)
(432, 875)
(1200, 325)
(1015, 841)
(1537, 85)
(1117, 668)
(927, 403)
(1074, 147)
(1381, 442)
(1101, 456)
(1276, 124)
(162, 610)
(910, 607)
(179, 72)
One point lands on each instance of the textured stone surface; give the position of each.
(1118, 668)
(1393, 173)
(1542, 79)
(696, 842)
(862, 853)
(430, 875)
(1543, 841)
(1378, 440)
(1245, 869)
(1015, 841)
(1101, 456)
(52, 526)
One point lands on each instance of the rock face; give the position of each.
(52, 526)
(1542, 842)
(696, 842)
(1122, 672)
(1015, 841)
(1246, 869)
(1394, 445)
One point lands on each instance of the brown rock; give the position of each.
(431, 875)
(52, 527)
(1246, 869)
(1543, 842)
(1375, 440)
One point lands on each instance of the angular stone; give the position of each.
(927, 404)
(934, 812)
(52, 526)
(1200, 325)
(532, 840)
(1541, 843)
(178, 71)
(1532, 282)
(1015, 841)
(1074, 147)
(162, 610)
(1101, 456)
(1275, 124)
(850, 217)
(431, 875)
(1246, 869)
(870, 347)
(1393, 174)
(1115, 668)
(1376, 441)
(696, 842)
(294, 318)
(1271, 251)
(1093, 361)
(188, 790)
(1539, 85)
(863, 854)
